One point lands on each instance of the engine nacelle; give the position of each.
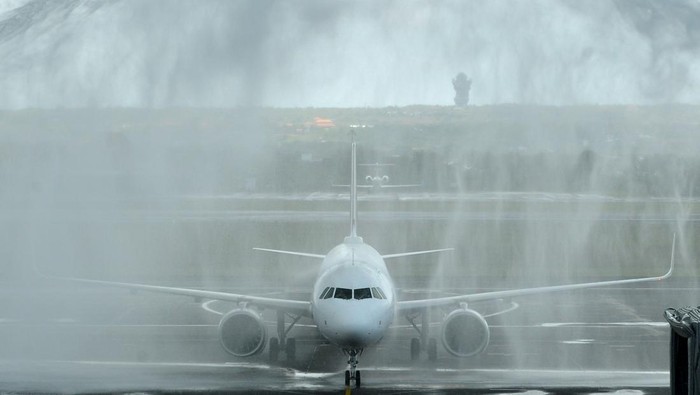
(385, 179)
(465, 333)
(242, 333)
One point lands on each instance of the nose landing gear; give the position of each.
(352, 373)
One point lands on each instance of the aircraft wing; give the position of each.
(410, 305)
(293, 306)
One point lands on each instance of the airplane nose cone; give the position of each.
(354, 335)
(355, 330)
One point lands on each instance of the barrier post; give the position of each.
(684, 351)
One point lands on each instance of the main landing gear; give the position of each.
(353, 373)
(430, 348)
(424, 342)
(281, 342)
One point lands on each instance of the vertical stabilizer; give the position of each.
(353, 191)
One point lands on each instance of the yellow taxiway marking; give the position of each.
(348, 390)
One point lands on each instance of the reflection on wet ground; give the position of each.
(114, 341)
(97, 376)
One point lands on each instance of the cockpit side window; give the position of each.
(362, 293)
(343, 293)
(325, 291)
(377, 292)
(328, 294)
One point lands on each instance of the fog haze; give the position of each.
(158, 142)
(133, 53)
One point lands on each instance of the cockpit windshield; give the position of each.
(343, 293)
(346, 293)
(362, 293)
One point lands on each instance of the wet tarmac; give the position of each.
(79, 340)
(102, 377)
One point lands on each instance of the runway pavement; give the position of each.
(91, 339)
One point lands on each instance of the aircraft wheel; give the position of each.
(291, 349)
(347, 378)
(415, 348)
(357, 379)
(432, 350)
(274, 349)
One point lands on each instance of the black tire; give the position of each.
(274, 349)
(432, 350)
(415, 349)
(357, 379)
(291, 349)
(347, 378)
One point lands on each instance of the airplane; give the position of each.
(379, 181)
(354, 303)
(376, 182)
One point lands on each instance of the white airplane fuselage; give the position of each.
(362, 319)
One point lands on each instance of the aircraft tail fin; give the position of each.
(353, 190)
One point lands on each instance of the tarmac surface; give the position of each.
(79, 340)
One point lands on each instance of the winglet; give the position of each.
(673, 259)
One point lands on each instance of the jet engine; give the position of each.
(465, 333)
(242, 333)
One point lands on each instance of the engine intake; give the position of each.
(242, 333)
(465, 333)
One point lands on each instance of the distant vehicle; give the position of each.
(353, 305)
